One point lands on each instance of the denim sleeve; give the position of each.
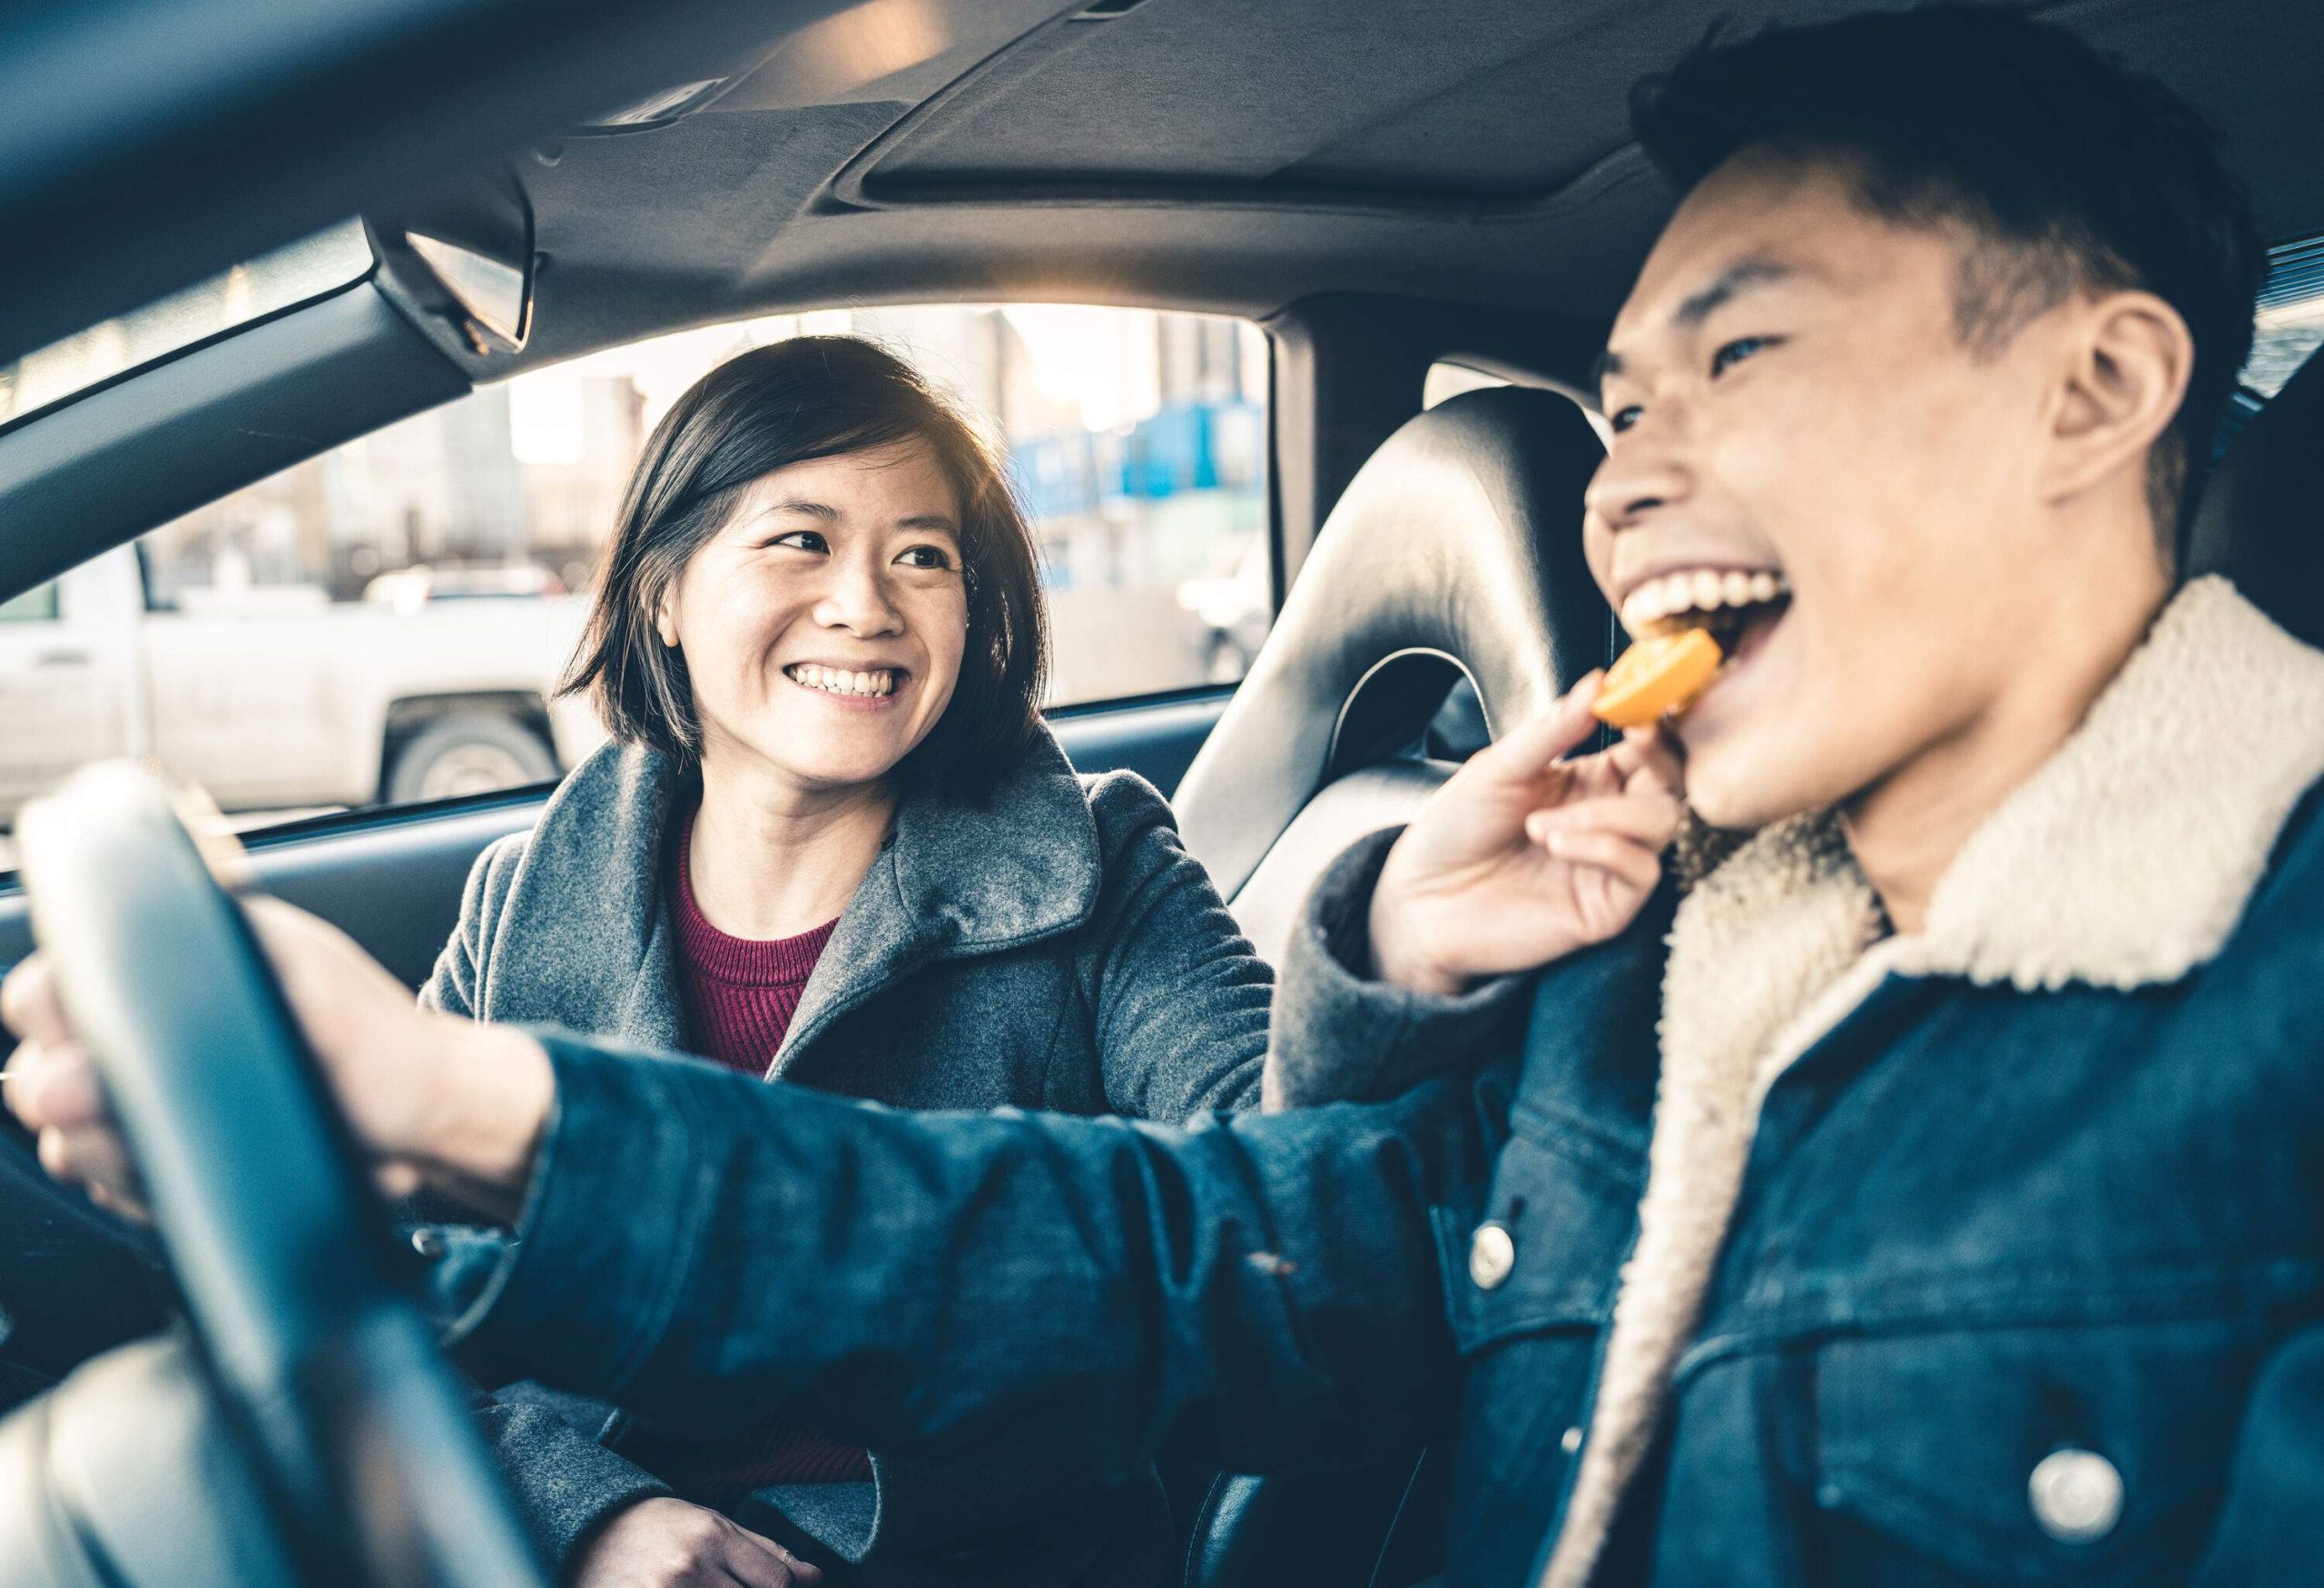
(1342, 1035)
(1049, 1292)
(2275, 1488)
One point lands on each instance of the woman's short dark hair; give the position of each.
(2066, 169)
(813, 397)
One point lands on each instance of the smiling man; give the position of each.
(1928, 1190)
(1946, 316)
(1977, 1177)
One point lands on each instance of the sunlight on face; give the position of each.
(823, 625)
(1790, 397)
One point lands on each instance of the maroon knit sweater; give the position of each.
(740, 994)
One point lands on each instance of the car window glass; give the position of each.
(36, 604)
(2289, 326)
(387, 622)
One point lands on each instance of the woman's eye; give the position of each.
(801, 540)
(1732, 353)
(1624, 418)
(926, 556)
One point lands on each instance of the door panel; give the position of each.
(1157, 739)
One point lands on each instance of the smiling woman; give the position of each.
(865, 613)
(832, 841)
(815, 504)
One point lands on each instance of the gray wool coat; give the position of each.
(1050, 947)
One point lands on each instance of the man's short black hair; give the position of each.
(2067, 171)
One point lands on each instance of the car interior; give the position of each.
(1378, 190)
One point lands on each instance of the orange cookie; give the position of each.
(1656, 677)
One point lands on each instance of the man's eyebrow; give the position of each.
(1700, 306)
(1607, 364)
(1697, 307)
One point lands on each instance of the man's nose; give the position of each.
(859, 600)
(1645, 468)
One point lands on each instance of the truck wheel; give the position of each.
(467, 753)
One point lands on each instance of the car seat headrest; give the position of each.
(2258, 522)
(1459, 540)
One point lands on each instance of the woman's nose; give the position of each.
(859, 600)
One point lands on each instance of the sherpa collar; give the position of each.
(2123, 862)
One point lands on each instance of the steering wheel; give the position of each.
(320, 1357)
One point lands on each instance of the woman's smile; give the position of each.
(861, 691)
(874, 688)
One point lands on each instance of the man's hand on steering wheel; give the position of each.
(453, 1103)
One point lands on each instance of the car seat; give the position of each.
(2257, 521)
(1453, 558)
(1454, 554)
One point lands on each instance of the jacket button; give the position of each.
(427, 1243)
(1492, 1255)
(2076, 1495)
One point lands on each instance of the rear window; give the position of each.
(2290, 322)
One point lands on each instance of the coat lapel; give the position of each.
(584, 941)
(959, 878)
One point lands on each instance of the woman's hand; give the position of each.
(669, 1544)
(1523, 857)
(457, 1105)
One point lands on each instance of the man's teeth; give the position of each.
(1697, 590)
(841, 681)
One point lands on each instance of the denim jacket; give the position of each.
(1778, 1251)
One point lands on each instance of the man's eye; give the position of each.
(1735, 352)
(926, 556)
(1623, 418)
(801, 540)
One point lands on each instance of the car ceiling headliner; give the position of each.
(1227, 155)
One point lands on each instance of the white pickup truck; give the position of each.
(277, 697)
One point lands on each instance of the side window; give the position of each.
(37, 605)
(1139, 442)
(387, 622)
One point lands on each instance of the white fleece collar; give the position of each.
(2128, 858)
(2123, 862)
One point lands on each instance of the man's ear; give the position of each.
(2126, 370)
